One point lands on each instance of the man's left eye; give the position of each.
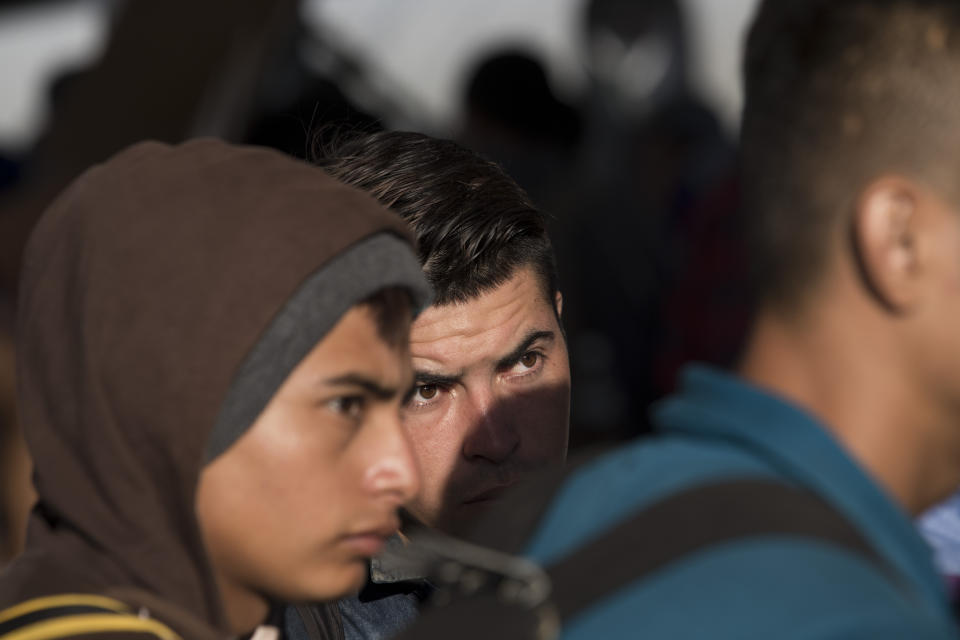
(530, 359)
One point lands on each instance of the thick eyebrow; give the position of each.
(449, 380)
(514, 356)
(441, 380)
(370, 386)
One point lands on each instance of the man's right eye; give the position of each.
(424, 394)
(427, 391)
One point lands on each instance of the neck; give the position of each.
(845, 369)
(245, 609)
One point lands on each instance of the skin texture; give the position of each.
(300, 502)
(872, 350)
(492, 398)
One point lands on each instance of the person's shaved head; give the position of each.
(839, 92)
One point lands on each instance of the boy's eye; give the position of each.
(350, 406)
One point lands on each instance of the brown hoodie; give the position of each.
(149, 290)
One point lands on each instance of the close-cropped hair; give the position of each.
(838, 93)
(392, 311)
(474, 225)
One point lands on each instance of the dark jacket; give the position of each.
(386, 606)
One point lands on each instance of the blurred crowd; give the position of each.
(634, 151)
(661, 237)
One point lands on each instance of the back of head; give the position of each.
(839, 92)
(473, 224)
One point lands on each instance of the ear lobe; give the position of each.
(885, 242)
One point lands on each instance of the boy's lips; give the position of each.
(489, 495)
(370, 540)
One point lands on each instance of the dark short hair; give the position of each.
(839, 92)
(473, 224)
(392, 310)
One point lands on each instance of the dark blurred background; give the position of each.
(618, 116)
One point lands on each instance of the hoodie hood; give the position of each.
(165, 296)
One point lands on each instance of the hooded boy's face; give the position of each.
(297, 505)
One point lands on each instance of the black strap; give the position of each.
(650, 539)
(322, 620)
(693, 520)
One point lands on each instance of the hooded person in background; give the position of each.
(213, 352)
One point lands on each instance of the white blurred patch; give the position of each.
(941, 528)
(36, 44)
(419, 52)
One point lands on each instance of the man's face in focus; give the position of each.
(492, 400)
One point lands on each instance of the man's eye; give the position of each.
(426, 392)
(530, 359)
(530, 363)
(350, 406)
(424, 395)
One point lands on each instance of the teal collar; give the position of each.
(715, 404)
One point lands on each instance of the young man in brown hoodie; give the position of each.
(213, 353)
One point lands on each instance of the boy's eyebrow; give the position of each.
(369, 385)
(533, 336)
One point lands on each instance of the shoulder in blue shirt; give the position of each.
(718, 427)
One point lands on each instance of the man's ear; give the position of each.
(558, 303)
(886, 238)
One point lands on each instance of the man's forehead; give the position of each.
(488, 326)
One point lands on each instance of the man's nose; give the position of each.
(491, 433)
(394, 472)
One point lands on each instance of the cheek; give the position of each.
(302, 457)
(291, 478)
(436, 443)
(287, 482)
(225, 501)
(544, 420)
(284, 495)
(550, 433)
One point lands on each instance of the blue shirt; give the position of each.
(387, 605)
(718, 427)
